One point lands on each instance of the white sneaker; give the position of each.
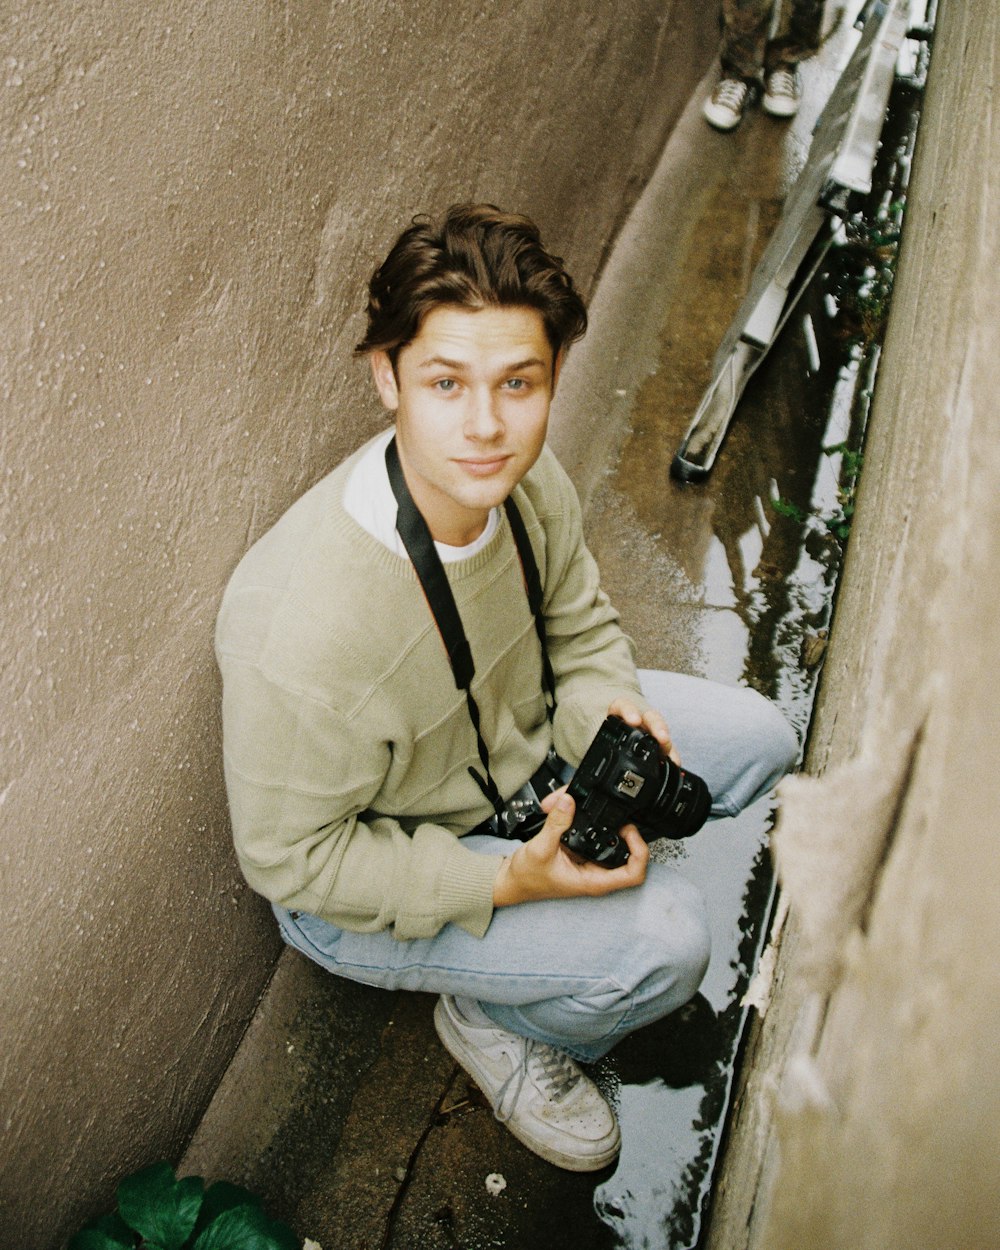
(725, 107)
(536, 1090)
(782, 92)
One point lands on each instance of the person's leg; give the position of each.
(732, 737)
(745, 25)
(801, 39)
(548, 980)
(581, 973)
(577, 974)
(572, 976)
(782, 80)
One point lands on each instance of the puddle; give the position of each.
(751, 560)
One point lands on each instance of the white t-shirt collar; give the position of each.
(368, 498)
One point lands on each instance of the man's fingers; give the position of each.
(548, 801)
(560, 810)
(651, 721)
(627, 711)
(638, 849)
(658, 727)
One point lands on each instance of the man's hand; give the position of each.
(651, 721)
(544, 868)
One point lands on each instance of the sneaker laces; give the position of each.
(782, 82)
(731, 93)
(559, 1073)
(553, 1070)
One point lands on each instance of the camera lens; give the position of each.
(682, 806)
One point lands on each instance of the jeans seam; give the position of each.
(581, 983)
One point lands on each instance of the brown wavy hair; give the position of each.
(474, 256)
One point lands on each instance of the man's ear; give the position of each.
(384, 377)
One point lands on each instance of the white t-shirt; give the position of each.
(368, 498)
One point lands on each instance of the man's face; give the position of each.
(471, 395)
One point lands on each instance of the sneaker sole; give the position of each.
(779, 107)
(455, 1045)
(724, 124)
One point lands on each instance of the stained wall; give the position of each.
(869, 1117)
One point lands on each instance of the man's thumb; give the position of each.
(561, 815)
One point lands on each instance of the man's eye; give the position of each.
(445, 384)
(516, 384)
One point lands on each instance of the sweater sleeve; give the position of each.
(592, 658)
(300, 779)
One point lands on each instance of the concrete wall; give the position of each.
(191, 198)
(869, 1121)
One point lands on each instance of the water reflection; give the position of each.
(666, 1078)
(671, 1081)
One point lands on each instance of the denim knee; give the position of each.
(681, 931)
(656, 956)
(768, 746)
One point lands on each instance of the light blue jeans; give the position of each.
(582, 973)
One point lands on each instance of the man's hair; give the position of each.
(476, 256)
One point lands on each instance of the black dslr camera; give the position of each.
(625, 779)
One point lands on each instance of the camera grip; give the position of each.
(608, 850)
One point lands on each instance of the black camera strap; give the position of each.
(419, 544)
(533, 585)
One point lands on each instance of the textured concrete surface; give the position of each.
(870, 1117)
(191, 199)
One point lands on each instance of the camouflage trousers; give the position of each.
(746, 50)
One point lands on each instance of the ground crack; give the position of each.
(440, 1114)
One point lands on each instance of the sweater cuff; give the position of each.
(466, 891)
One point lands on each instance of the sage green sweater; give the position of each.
(346, 742)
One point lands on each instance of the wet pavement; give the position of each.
(355, 1126)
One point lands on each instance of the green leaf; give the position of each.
(785, 507)
(110, 1232)
(246, 1228)
(223, 1196)
(162, 1209)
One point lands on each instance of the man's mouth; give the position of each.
(483, 466)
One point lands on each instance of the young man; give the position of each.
(356, 766)
(748, 56)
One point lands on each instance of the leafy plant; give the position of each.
(839, 522)
(158, 1212)
(850, 460)
(864, 270)
(785, 507)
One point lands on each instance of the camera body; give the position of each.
(625, 779)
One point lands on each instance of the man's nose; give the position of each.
(482, 419)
